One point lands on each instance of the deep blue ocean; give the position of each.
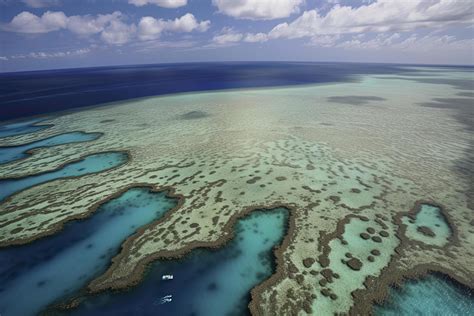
(24, 94)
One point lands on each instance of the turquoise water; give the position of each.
(429, 216)
(35, 275)
(433, 295)
(205, 282)
(21, 128)
(90, 164)
(9, 154)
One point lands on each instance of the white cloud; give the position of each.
(161, 3)
(378, 42)
(148, 46)
(111, 28)
(26, 22)
(87, 24)
(413, 43)
(227, 36)
(150, 28)
(187, 23)
(378, 16)
(258, 9)
(431, 43)
(3, 58)
(41, 3)
(118, 33)
(409, 45)
(325, 40)
(380, 25)
(255, 37)
(44, 55)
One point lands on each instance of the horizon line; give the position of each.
(237, 61)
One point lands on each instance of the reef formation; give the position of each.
(378, 190)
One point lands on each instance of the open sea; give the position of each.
(38, 92)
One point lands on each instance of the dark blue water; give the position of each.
(89, 164)
(19, 128)
(205, 282)
(12, 153)
(35, 275)
(31, 93)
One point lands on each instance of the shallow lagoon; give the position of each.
(50, 268)
(429, 217)
(9, 154)
(206, 282)
(20, 128)
(90, 164)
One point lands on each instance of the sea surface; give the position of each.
(25, 94)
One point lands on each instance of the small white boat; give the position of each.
(164, 300)
(167, 277)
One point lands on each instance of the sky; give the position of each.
(53, 34)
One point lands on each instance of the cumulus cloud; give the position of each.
(150, 28)
(378, 42)
(325, 40)
(255, 37)
(161, 3)
(88, 24)
(378, 16)
(26, 22)
(111, 28)
(41, 3)
(258, 9)
(188, 23)
(227, 36)
(117, 32)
